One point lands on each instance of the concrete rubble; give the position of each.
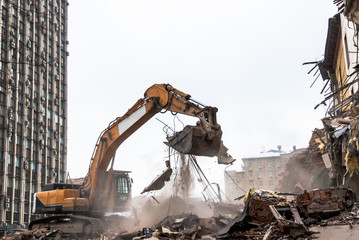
(42, 233)
(266, 215)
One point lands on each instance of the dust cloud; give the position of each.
(183, 181)
(175, 199)
(305, 170)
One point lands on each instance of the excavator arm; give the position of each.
(203, 139)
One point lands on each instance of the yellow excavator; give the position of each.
(77, 208)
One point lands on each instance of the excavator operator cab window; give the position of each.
(122, 185)
(121, 188)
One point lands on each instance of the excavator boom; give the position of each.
(202, 139)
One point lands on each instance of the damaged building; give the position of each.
(337, 142)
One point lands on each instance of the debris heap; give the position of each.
(268, 215)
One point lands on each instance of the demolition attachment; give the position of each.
(196, 141)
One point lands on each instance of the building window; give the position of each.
(13, 53)
(27, 143)
(269, 163)
(270, 173)
(271, 183)
(251, 183)
(21, 37)
(238, 178)
(19, 117)
(14, 11)
(261, 183)
(17, 161)
(10, 158)
(259, 164)
(16, 206)
(3, 45)
(9, 182)
(278, 172)
(250, 164)
(278, 163)
(49, 114)
(48, 133)
(17, 183)
(250, 173)
(260, 174)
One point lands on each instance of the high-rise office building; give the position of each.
(33, 102)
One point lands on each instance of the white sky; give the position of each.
(243, 57)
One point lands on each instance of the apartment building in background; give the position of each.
(261, 172)
(33, 103)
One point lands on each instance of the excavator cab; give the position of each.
(122, 183)
(116, 194)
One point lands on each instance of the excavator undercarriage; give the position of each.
(76, 225)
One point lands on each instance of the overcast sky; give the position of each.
(243, 57)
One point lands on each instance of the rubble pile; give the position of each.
(183, 226)
(325, 202)
(42, 233)
(266, 215)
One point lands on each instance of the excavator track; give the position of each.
(70, 224)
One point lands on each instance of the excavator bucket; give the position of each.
(194, 140)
